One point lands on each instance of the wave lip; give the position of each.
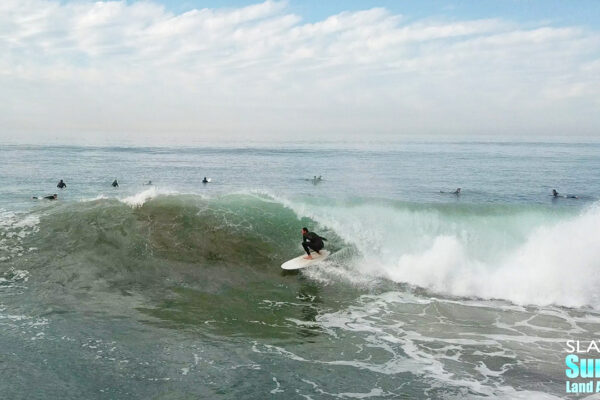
(138, 199)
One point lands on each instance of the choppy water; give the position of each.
(174, 291)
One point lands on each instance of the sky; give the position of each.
(234, 70)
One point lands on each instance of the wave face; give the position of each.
(186, 228)
(129, 237)
(157, 253)
(532, 255)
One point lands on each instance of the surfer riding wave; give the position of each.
(311, 241)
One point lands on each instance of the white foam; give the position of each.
(14, 228)
(12, 220)
(408, 344)
(138, 199)
(556, 264)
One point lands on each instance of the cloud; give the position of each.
(114, 68)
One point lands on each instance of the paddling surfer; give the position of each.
(555, 194)
(51, 197)
(456, 192)
(311, 241)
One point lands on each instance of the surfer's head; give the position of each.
(304, 230)
(554, 192)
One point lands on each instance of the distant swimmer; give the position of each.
(51, 197)
(205, 180)
(555, 194)
(311, 241)
(457, 191)
(61, 184)
(115, 184)
(149, 183)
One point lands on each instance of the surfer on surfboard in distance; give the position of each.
(555, 194)
(51, 197)
(456, 192)
(311, 241)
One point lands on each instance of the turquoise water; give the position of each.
(173, 290)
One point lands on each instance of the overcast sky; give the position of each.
(151, 71)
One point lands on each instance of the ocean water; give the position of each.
(174, 290)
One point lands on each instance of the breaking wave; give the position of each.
(527, 255)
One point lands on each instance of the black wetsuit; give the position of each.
(312, 241)
(115, 183)
(61, 185)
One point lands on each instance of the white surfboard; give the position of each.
(301, 262)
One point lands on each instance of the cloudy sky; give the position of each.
(183, 71)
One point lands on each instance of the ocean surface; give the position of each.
(174, 290)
